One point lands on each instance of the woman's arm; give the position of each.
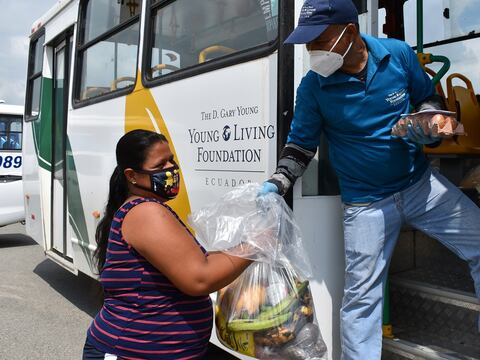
(157, 235)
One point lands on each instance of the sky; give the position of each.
(16, 19)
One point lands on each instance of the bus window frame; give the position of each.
(236, 58)
(32, 77)
(80, 48)
(449, 41)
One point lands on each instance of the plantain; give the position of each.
(272, 316)
(286, 304)
(258, 325)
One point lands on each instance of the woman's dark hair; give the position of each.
(131, 152)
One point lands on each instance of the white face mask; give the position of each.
(325, 63)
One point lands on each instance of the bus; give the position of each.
(215, 79)
(11, 188)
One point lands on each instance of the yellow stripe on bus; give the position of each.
(142, 113)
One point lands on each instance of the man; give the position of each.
(356, 91)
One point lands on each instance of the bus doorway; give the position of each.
(61, 60)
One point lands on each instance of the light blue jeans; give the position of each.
(432, 205)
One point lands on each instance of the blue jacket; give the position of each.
(357, 118)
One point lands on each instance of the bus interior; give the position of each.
(432, 295)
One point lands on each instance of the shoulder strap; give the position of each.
(125, 208)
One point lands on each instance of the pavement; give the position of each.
(45, 310)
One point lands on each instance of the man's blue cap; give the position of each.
(317, 15)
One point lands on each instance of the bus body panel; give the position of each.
(66, 17)
(31, 186)
(12, 209)
(52, 14)
(320, 218)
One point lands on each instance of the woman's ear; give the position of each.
(130, 175)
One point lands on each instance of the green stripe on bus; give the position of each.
(75, 207)
(42, 126)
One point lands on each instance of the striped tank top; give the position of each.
(144, 315)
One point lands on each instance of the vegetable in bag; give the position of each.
(268, 311)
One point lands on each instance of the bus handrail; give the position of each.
(202, 57)
(115, 82)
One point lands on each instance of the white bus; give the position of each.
(214, 78)
(11, 189)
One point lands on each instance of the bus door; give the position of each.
(61, 61)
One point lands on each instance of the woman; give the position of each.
(156, 277)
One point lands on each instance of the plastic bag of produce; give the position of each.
(268, 311)
(436, 123)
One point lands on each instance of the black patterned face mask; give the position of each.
(164, 183)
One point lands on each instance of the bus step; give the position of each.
(398, 349)
(454, 275)
(432, 321)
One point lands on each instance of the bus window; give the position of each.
(446, 20)
(464, 17)
(108, 54)
(10, 132)
(34, 77)
(464, 57)
(16, 135)
(103, 15)
(451, 29)
(187, 33)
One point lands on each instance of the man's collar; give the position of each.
(376, 54)
(375, 48)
